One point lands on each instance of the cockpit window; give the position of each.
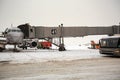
(15, 30)
(10, 30)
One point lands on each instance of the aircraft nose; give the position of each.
(17, 38)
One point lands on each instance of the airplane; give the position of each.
(13, 36)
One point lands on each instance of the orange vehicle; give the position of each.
(94, 45)
(44, 45)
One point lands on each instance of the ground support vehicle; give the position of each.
(110, 45)
(44, 45)
(2, 44)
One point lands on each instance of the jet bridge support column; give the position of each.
(61, 39)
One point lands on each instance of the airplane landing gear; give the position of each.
(15, 49)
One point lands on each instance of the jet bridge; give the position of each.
(43, 32)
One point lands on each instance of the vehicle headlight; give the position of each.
(117, 51)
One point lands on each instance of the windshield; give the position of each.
(110, 43)
(14, 30)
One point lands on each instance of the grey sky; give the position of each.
(55, 12)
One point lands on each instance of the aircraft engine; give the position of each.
(33, 44)
(28, 43)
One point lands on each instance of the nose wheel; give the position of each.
(15, 49)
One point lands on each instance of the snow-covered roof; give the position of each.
(117, 36)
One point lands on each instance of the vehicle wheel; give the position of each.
(26, 47)
(23, 48)
(62, 48)
(1, 50)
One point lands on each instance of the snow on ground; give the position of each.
(35, 55)
(77, 48)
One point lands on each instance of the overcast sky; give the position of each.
(55, 12)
